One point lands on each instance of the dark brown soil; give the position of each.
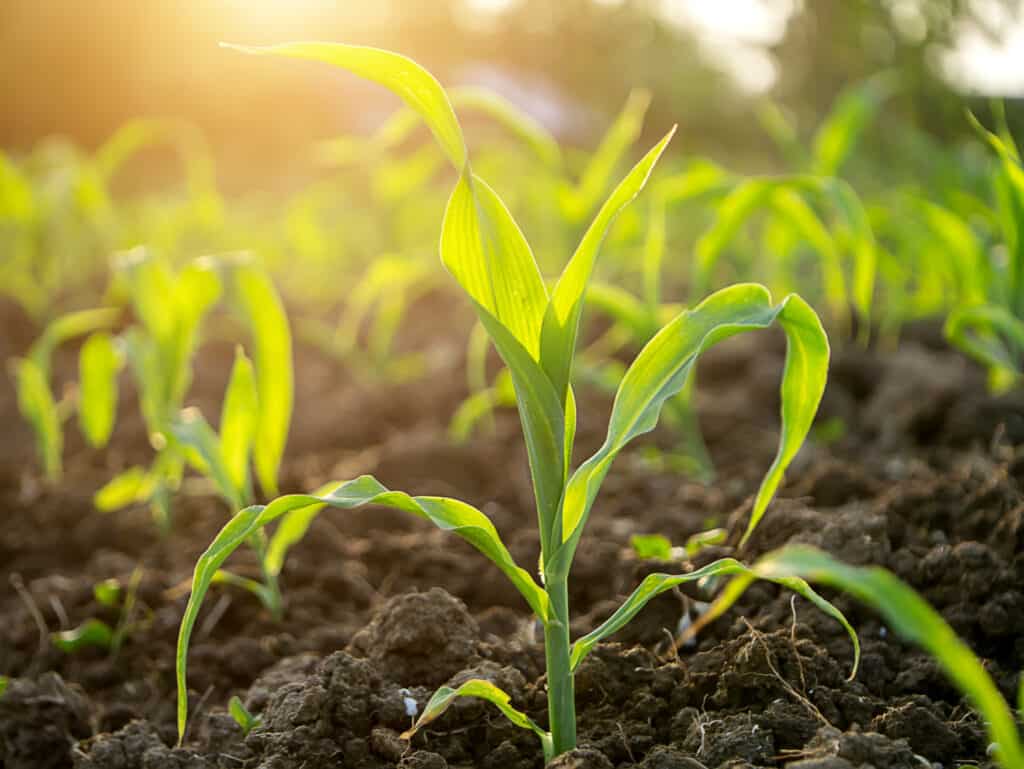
(381, 608)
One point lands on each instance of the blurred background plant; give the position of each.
(827, 147)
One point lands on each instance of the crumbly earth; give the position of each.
(926, 480)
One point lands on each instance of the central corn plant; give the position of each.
(535, 331)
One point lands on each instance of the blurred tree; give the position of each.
(830, 44)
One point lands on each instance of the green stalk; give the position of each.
(561, 688)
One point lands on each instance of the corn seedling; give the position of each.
(96, 632)
(36, 402)
(375, 309)
(225, 459)
(246, 720)
(659, 547)
(840, 132)
(991, 330)
(170, 307)
(535, 333)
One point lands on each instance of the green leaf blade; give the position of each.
(485, 251)
(274, 369)
(297, 512)
(37, 405)
(661, 370)
(562, 317)
(238, 423)
(98, 365)
(910, 616)
(399, 74)
(484, 690)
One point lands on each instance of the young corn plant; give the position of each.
(36, 402)
(374, 311)
(96, 632)
(225, 459)
(535, 332)
(991, 329)
(170, 307)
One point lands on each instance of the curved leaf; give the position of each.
(910, 616)
(407, 79)
(660, 371)
(203, 451)
(512, 118)
(483, 690)
(580, 200)
(92, 632)
(67, 327)
(980, 332)
(298, 511)
(656, 584)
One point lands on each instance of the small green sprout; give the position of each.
(246, 720)
(171, 306)
(536, 333)
(225, 460)
(107, 593)
(659, 547)
(95, 632)
(652, 546)
(35, 397)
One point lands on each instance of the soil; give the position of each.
(925, 479)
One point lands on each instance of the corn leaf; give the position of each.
(991, 335)
(298, 510)
(416, 87)
(92, 632)
(484, 690)
(655, 546)
(98, 364)
(67, 327)
(238, 423)
(547, 428)
(246, 720)
(272, 360)
(562, 318)
(485, 251)
(655, 584)
(838, 135)
(128, 487)
(36, 404)
(660, 371)
(579, 201)
(730, 214)
(798, 214)
(910, 616)
(522, 125)
(203, 452)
